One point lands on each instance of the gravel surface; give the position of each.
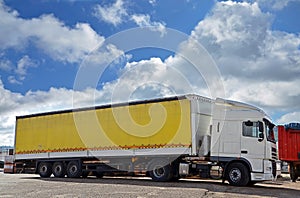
(27, 185)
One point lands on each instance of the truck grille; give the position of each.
(274, 168)
(274, 154)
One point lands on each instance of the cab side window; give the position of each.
(252, 129)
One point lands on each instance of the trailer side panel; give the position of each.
(116, 131)
(288, 144)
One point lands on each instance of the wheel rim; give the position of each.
(235, 175)
(58, 169)
(159, 172)
(44, 169)
(73, 169)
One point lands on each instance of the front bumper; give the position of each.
(262, 177)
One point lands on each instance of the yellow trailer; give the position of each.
(125, 137)
(152, 124)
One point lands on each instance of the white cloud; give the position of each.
(6, 65)
(117, 14)
(52, 36)
(153, 2)
(23, 65)
(13, 80)
(144, 21)
(238, 26)
(18, 72)
(156, 78)
(273, 95)
(15, 104)
(63, 43)
(139, 74)
(113, 14)
(274, 4)
(259, 65)
(289, 117)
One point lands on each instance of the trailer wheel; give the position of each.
(59, 169)
(74, 169)
(238, 174)
(45, 169)
(160, 170)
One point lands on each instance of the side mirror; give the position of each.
(261, 137)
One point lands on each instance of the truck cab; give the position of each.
(243, 142)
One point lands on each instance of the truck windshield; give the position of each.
(269, 130)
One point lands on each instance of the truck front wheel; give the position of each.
(74, 169)
(45, 169)
(160, 170)
(238, 174)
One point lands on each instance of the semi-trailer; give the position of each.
(289, 147)
(164, 138)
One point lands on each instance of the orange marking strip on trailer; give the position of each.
(107, 148)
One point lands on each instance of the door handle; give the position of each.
(244, 152)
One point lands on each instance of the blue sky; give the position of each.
(182, 17)
(254, 45)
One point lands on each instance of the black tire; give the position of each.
(160, 170)
(175, 178)
(251, 183)
(45, 169)
(175, 172)
(74, 169)
(85, 174)
(238, 174)
(293, 173)
(98, 174)
(59, 169)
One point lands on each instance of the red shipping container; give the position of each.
(288, 144)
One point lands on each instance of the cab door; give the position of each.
(253, 144)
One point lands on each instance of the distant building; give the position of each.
(4, 150)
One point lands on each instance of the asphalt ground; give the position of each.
(29, 185)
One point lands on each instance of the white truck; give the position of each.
(165, 138)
